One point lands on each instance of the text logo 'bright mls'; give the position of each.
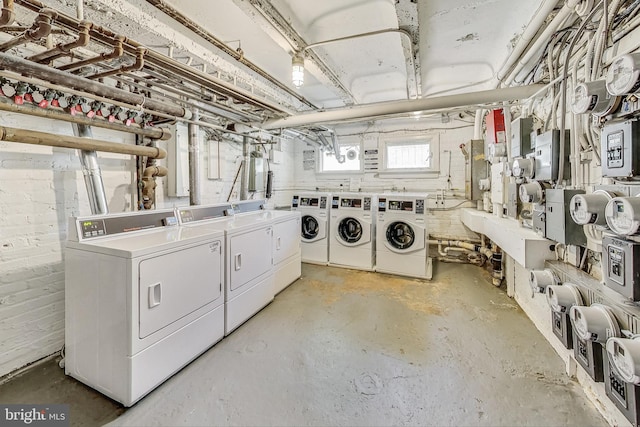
(37, 415)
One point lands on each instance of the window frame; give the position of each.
(434, 149)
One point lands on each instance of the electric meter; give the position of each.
(595, 323)
(523, 168)
(624, 356)
(589, 208)
(539, 280)
(562, 297)
(623, 215)
(532, 192)
(592, 97)
(623, 76)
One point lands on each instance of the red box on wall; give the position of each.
(495, 127)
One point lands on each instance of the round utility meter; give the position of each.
(623, 215)
(624, 356)
(539, 280)
(592, 97)
(562, 297)
(532, 192)
(523, 168)
(595, 323)
(589, 208)
(623, 76)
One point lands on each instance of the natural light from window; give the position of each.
(351, 153)
(413, 155)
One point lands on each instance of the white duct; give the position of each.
(404, 107)
(92, 174)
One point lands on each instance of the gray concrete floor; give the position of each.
(344, 347)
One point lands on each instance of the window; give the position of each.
(351, 155)
(413, 154)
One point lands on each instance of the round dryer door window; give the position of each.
(400, 235)
(310, 227)
(350, 230)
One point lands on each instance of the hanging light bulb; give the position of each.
(297, 70)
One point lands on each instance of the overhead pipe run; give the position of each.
(66, 141)
(7, 14)
(65, 49)
(136, 66)
(403, 107)
(92, 174)
(41, 28)
(117, 52)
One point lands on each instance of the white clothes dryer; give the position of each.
(249, 282)
(143, 297)
(402, 236)
(314, 230)
(352, 230)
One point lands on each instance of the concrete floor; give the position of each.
(343, 347)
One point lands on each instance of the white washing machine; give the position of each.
(287, 266)
(314, 231)
(143, 297)
(401, 236)
(352, 230)
(249, 276)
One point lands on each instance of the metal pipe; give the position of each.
(7, 14)
(399, 107)
(136, 66)
(65, 49)
(244, 179)
(194, 160)
(40, 29)
(49, 113)
(66, 141)
(43, 72)
(117, 52)
(149, 184)
(92, 174)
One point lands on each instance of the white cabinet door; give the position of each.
(249, 256)
(286, 240)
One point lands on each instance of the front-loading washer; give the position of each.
(143, 297)
(286, 249)
(352, 230)
(314, 227)
(402, 243)
(249, 277)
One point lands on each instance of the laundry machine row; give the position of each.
(386, 233)
(147, 292)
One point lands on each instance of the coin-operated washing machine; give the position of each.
(143, 297)
(401, 236)
(352, 231)
(314, 230)
(248, 260)
(287, 267)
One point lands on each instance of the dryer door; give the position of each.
(403, 237)
(353, 231)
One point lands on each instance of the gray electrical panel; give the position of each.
(475, 169)
(621, 266)
(620, 148)
(560, 226)
(547, 154)
(514, 205)
(256, 172)
(539, 220)
(589, 354)
(561, 327)
(624, 395)
(521, 130)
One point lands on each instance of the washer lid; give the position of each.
(400, 235)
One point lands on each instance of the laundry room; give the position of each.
(346, 212)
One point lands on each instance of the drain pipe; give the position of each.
(7, 15)
(92, 174)
(244, 179)
(149, 184)
(194, 160)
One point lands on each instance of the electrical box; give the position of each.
(589, 355)
(620, 149)
(495, 127)
(178, 161)
(621, 266)
(256, 172)
(475, 169)
(498, 172)
(561, 298)
(547, 155)
(539, 221)
(514, 206)
(560, 226)
(623, 393)
(521, 129)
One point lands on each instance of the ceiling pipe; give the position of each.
(43, 72)
(7, 14)
(117, 52)
(49, 113)
(92, 173)
(136, 66)
(65, 141)
(40, 29)
(403, 107)
(65, 49)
